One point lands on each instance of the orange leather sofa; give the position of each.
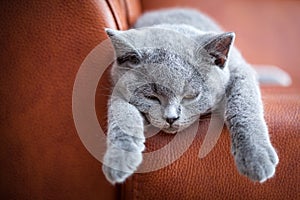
(43, 44)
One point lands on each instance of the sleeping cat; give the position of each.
(172, 67)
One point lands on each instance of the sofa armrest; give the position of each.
(43, 44)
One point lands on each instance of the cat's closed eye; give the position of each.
(152, 97)
(191, 96)
(130, 57)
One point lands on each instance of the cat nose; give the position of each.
(171, 114)
(171, 120)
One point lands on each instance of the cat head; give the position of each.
(170, 77)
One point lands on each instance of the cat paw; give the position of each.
(115, 176)
(119, 164)
(258, 162)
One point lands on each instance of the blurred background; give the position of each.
(267, 31)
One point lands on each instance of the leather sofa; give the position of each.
(43, 44)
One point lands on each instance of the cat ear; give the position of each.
(218, 48)
(125, 51)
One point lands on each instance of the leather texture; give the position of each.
(43, 44)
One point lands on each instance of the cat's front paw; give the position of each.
(119, 164)
(257, 161)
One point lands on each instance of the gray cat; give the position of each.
(172, 67)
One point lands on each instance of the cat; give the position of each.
(171, 67)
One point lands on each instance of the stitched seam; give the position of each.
(113, 13)
(127, 13)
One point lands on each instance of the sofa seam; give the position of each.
(113, 13)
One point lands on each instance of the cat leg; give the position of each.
(125, 141)
(254, 154)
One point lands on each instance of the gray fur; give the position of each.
(172, 67)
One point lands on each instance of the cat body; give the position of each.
(172, 67)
